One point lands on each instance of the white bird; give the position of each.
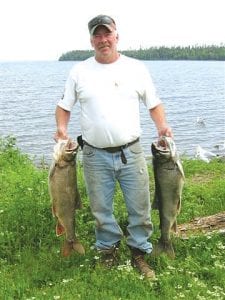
(200, 121)
(204, 154)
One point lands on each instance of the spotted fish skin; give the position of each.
(64, 194)
(169, 181)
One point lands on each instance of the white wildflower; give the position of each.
(171, 268)
(219, 265)
(179, 287)
(67, 280)
(220, 246)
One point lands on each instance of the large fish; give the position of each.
(64, 194)
(169, 181)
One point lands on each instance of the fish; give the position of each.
(64, 194)
(169, 181)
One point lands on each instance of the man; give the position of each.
(109, 87)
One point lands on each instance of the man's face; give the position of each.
(104, 41)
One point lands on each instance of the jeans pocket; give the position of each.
(136, 148)
(88, 151)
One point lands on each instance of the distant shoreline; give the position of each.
(159, 53)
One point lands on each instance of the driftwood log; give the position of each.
(203, 225)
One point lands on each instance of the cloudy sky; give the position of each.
(44, 29)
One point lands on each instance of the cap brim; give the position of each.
(109, 27)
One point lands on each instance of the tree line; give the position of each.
(160, 53)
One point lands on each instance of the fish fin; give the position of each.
(180, 168)
(60, 230)
(174, 226)
(71, 246)
(53, 210)
(179, 206)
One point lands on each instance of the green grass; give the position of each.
(32, 268)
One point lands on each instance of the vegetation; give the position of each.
(30, 263)
(160, 53)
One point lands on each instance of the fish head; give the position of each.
(70, 150)
(159, 152)
(164, 148)
(65, 150)
(164, 151)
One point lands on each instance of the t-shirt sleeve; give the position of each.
(149, 95)
(69, 96)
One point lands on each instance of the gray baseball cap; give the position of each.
(103, 20)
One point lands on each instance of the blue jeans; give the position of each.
(102, 170)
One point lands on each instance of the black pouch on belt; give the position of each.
(80, 141)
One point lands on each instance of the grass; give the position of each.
(32, 268)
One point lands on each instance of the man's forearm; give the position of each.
(158, 116)
(62, 117)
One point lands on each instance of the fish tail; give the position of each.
(71, 246)
(78, 247)
(163, 247)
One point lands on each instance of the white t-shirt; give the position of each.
(109, 96)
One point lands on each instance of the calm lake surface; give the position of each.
(191, 91)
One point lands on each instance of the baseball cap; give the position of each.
(103, 20)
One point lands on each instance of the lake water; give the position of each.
(190, 90)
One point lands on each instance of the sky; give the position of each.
(45, 29)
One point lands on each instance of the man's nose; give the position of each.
(103, 37)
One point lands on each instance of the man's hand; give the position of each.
(165, 131)
(61, 134)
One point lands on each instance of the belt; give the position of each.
(116, 149)
(119, 148)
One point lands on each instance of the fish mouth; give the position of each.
(65, 150)
(71, 147)
(166, 145)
